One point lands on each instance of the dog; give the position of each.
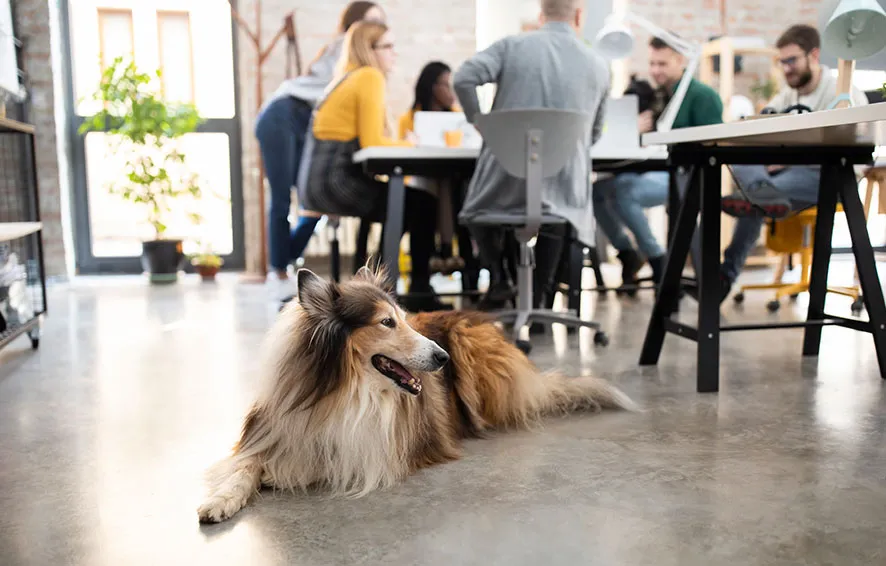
(357, 395)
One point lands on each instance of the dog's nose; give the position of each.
(441, 357)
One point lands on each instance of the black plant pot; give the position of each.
(163, 259)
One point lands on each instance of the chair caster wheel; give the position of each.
(601, 339)
(773, 306)
(857, 306)
(524, 346)
(738, 298)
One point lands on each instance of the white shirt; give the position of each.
(820, 98)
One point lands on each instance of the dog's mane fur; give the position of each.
(326, 419)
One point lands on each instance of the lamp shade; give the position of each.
(856, 29)
(614, 40)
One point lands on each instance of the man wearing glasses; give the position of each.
(775, 191)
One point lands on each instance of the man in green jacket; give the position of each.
(619, 202)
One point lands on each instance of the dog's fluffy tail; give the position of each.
(499, 386)
(232, 482)
(566, 394)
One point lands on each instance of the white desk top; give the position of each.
(409, 153)
(15, 230)
(841, 127)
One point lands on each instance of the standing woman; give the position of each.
(280, 129)
(351, 117)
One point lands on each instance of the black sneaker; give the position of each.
(497, 297)
(725, 288)
(657, 264)
(428, 301)
(631, 263)
(762, 199)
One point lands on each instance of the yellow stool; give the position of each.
(794, 235)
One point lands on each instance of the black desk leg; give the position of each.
(865, 262)
(821, 255)
(708, 349)
(393, 230)
(669, 291)
(673, 205)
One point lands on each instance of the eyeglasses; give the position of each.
(383, 46)
(790, 61)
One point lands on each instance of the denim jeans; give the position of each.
(281, 130)
(620, 201)
(799, 185)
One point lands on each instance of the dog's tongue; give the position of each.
(407, 380)
(399, 374)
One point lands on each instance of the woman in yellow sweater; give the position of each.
(351, 117)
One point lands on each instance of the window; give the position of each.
(116, 36)
(176, 55)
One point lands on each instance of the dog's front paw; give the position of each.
(219, 508)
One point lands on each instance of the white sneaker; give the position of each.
(282, 289)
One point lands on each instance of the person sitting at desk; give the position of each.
(433, 93)
(550, 67)
(280, 130)
(774, 191)
(620, 201)
(353, 116)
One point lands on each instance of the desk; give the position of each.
(834, 139)
(458, 163)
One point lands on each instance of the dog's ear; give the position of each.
(313, 290)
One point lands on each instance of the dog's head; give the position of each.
(355, 330)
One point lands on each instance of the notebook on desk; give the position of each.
(430, 128)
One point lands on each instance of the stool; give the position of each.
(793, 235)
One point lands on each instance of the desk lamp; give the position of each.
(855, 29)
(615, 41)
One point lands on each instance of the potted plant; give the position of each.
(207, 265)
(146, 130)
(763, 91)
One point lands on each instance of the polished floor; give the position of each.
(106, 429)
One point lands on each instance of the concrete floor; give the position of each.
(106, 430)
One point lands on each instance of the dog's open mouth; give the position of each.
(397, 373)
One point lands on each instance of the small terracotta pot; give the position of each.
(207, 272)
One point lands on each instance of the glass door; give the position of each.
(191, 43)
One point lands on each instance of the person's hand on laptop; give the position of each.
(645, 121)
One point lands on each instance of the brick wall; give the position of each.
(431, 29)
(32, 23)
(698, 20)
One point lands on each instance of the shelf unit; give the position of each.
(21, 229)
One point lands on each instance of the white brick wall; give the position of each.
(424, 31)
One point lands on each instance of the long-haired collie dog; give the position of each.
(357, 395)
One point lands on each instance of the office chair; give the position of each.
(533, 145)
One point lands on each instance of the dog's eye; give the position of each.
(389, 322)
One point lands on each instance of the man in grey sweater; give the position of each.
(551, 67)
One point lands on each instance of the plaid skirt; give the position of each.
(337, 186)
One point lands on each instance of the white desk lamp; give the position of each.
(855, 29)
(615, 41)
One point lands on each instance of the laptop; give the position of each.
(621, 125)
(429, 127)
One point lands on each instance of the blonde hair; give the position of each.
(359, 51)
(359, 47)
